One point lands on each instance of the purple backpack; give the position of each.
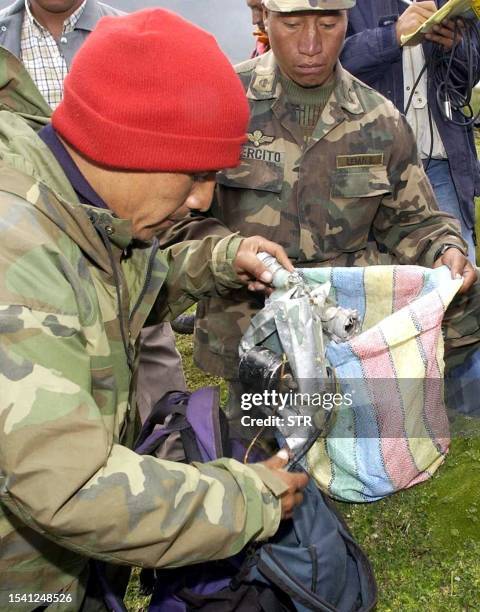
(312, 562)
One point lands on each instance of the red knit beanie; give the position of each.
(151, 91)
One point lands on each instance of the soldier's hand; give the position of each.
(295, 481)
(460, 267)
(415, 15)
(444, 33)
(250, 269)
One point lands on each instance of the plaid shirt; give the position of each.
(42, 56)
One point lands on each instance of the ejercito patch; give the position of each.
(364, 160)
(274, 157)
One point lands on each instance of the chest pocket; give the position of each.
(360, 182)
(260, 169)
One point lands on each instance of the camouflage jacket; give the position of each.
(74, 294)
(355, 195)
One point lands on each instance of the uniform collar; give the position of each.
(265, 85)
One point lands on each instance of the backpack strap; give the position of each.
(148, 446)
(196, 416)
(208, 424)
(173, 404)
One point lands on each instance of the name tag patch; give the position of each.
(365, 160)
(274, 157)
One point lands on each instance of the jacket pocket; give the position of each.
(360, 182)
(356, 195)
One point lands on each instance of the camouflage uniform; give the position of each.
(355, 195)
(74, 294)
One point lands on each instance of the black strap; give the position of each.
(190, 446)
(173, 402)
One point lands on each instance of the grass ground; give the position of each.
(476, 100)
(424, 543)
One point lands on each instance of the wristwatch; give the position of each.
(445, 247)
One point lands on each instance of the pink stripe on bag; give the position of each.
(410, 287)
(373, 352)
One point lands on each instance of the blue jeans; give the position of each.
(441, 180)
(462, 386)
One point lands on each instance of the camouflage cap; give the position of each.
(289, 6)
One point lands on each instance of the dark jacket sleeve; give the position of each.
(370, 51)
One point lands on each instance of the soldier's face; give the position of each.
(306, 44)
(155, 201)
(257, 13)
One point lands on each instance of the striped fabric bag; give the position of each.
(395, 432)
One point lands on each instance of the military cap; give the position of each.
(289, 6)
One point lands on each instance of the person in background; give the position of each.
(81, 203)
(373, 53)
(45, 35)
(262, 45)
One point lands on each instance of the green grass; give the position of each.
(475, 103)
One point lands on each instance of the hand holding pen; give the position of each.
(445, 34)
(415, 16)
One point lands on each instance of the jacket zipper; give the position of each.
(124, 328)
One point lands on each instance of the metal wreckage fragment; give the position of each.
(283, 353)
